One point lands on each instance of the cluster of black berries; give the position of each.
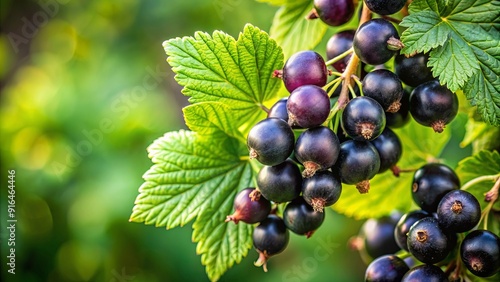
(429, 234)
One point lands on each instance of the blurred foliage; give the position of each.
(85, 88)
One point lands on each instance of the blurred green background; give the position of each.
(85, 88)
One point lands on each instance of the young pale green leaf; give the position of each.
(388, 192)
(462, 37)
(276, 2)
(237, 73)
(484, 163)
(196, 177)
(481, 136)
(293, 31)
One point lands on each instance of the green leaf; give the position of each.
(237, 73)
(195, 177)
(293, 31)
(276, 2)
(387, 192)
(482, 136)
(462, 37)
(481, 164)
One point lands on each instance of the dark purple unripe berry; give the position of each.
(270, 237)
(458, 211)
(384, 87)
(388, 268)
(430, 183)
(425, 272)
(278, 110)
(404, 224)
(308, 106)
(337, 44)
(376, 41)
(304, 68)
(358, 162)
(317, 149)
(249, 207)
(427, 242)
(389, 148)
(271, 141)
(280, 183)
(333, 12)
(480, 252)
(433, 105)
(321, 190)
(301, 218)
(363, 119)
(413, 71)
(385, 7)
(378, 236)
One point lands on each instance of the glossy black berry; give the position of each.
(413, 71)
(363, 119)
(427, 242)
(404, 224)
(388, 268)
(389, 148)
(480, 252)
(321, 190)
(458, 211)
(278, 110)
(430, 183)
(384, 87)
(433, 105)
(308, 106)
(375, 41)
(357, 163)
(378, 235)
(333, 13)
(317, 149)
(304, 68)
(301, 218)
(339, 43)
(385, 7)
(280, 183)
(425, 272)
(249, 207)
(271, 141)
(270, 237)
(402, 116)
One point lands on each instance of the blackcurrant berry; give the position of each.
(404, 224)
(339, 43)
(378, 235)
(333, 12)
(280, 183)
(433, 105)
(357, 163)
(308, 106)
(480, 252)
(376, 41)
(385, 7)
(321, 190)
(401, 117)
(317, 149)
(458, 211)
(389, 148)
(278, 110)
(249, 207)
(430, 183)
(270, 237)
(271, 141)
(301, 218)
(304, 68)
(384, 87)
(425, 272)
(388, 268)
(427, 242)
(413, 71)
(363, 119)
